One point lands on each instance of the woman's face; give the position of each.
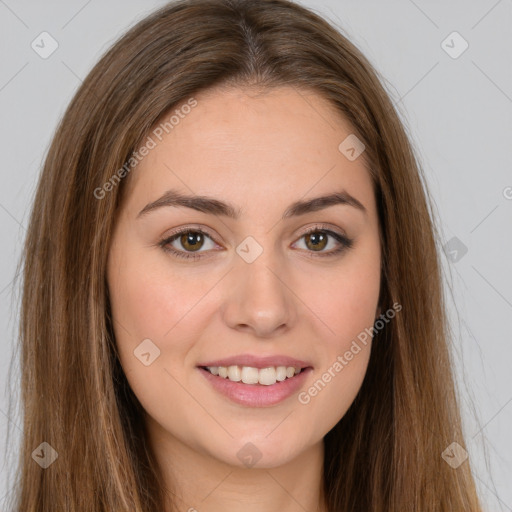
(257, 291)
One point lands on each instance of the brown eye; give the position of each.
(188, 243)
(192, 240)
(317, 241)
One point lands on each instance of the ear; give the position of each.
(379, 311)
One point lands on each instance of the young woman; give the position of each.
(232, 297)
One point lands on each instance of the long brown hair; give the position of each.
(385, 453)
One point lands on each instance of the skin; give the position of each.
(260, 152)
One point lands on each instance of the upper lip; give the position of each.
(258, 361)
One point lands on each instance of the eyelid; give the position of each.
(202, 229)
(190, 228)
(321, 226)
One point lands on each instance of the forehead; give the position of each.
(249, 145)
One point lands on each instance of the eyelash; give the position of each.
(346, 243)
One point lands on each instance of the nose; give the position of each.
(259, 299)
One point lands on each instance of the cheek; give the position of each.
(147, 305)
(347, 308)
(149, 301)
(330, 393)
(347, 299)
(349, 312)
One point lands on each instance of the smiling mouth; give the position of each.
(251, 375)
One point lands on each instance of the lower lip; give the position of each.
(257, 395)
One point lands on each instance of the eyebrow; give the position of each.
(214, 206)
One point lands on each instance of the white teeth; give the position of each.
(281, 373)
(234, 373)
(251, 375)
(267, 376)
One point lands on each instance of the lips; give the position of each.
(257, 361)
(257, 395)
(270, 389)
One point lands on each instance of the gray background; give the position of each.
(458, 112)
